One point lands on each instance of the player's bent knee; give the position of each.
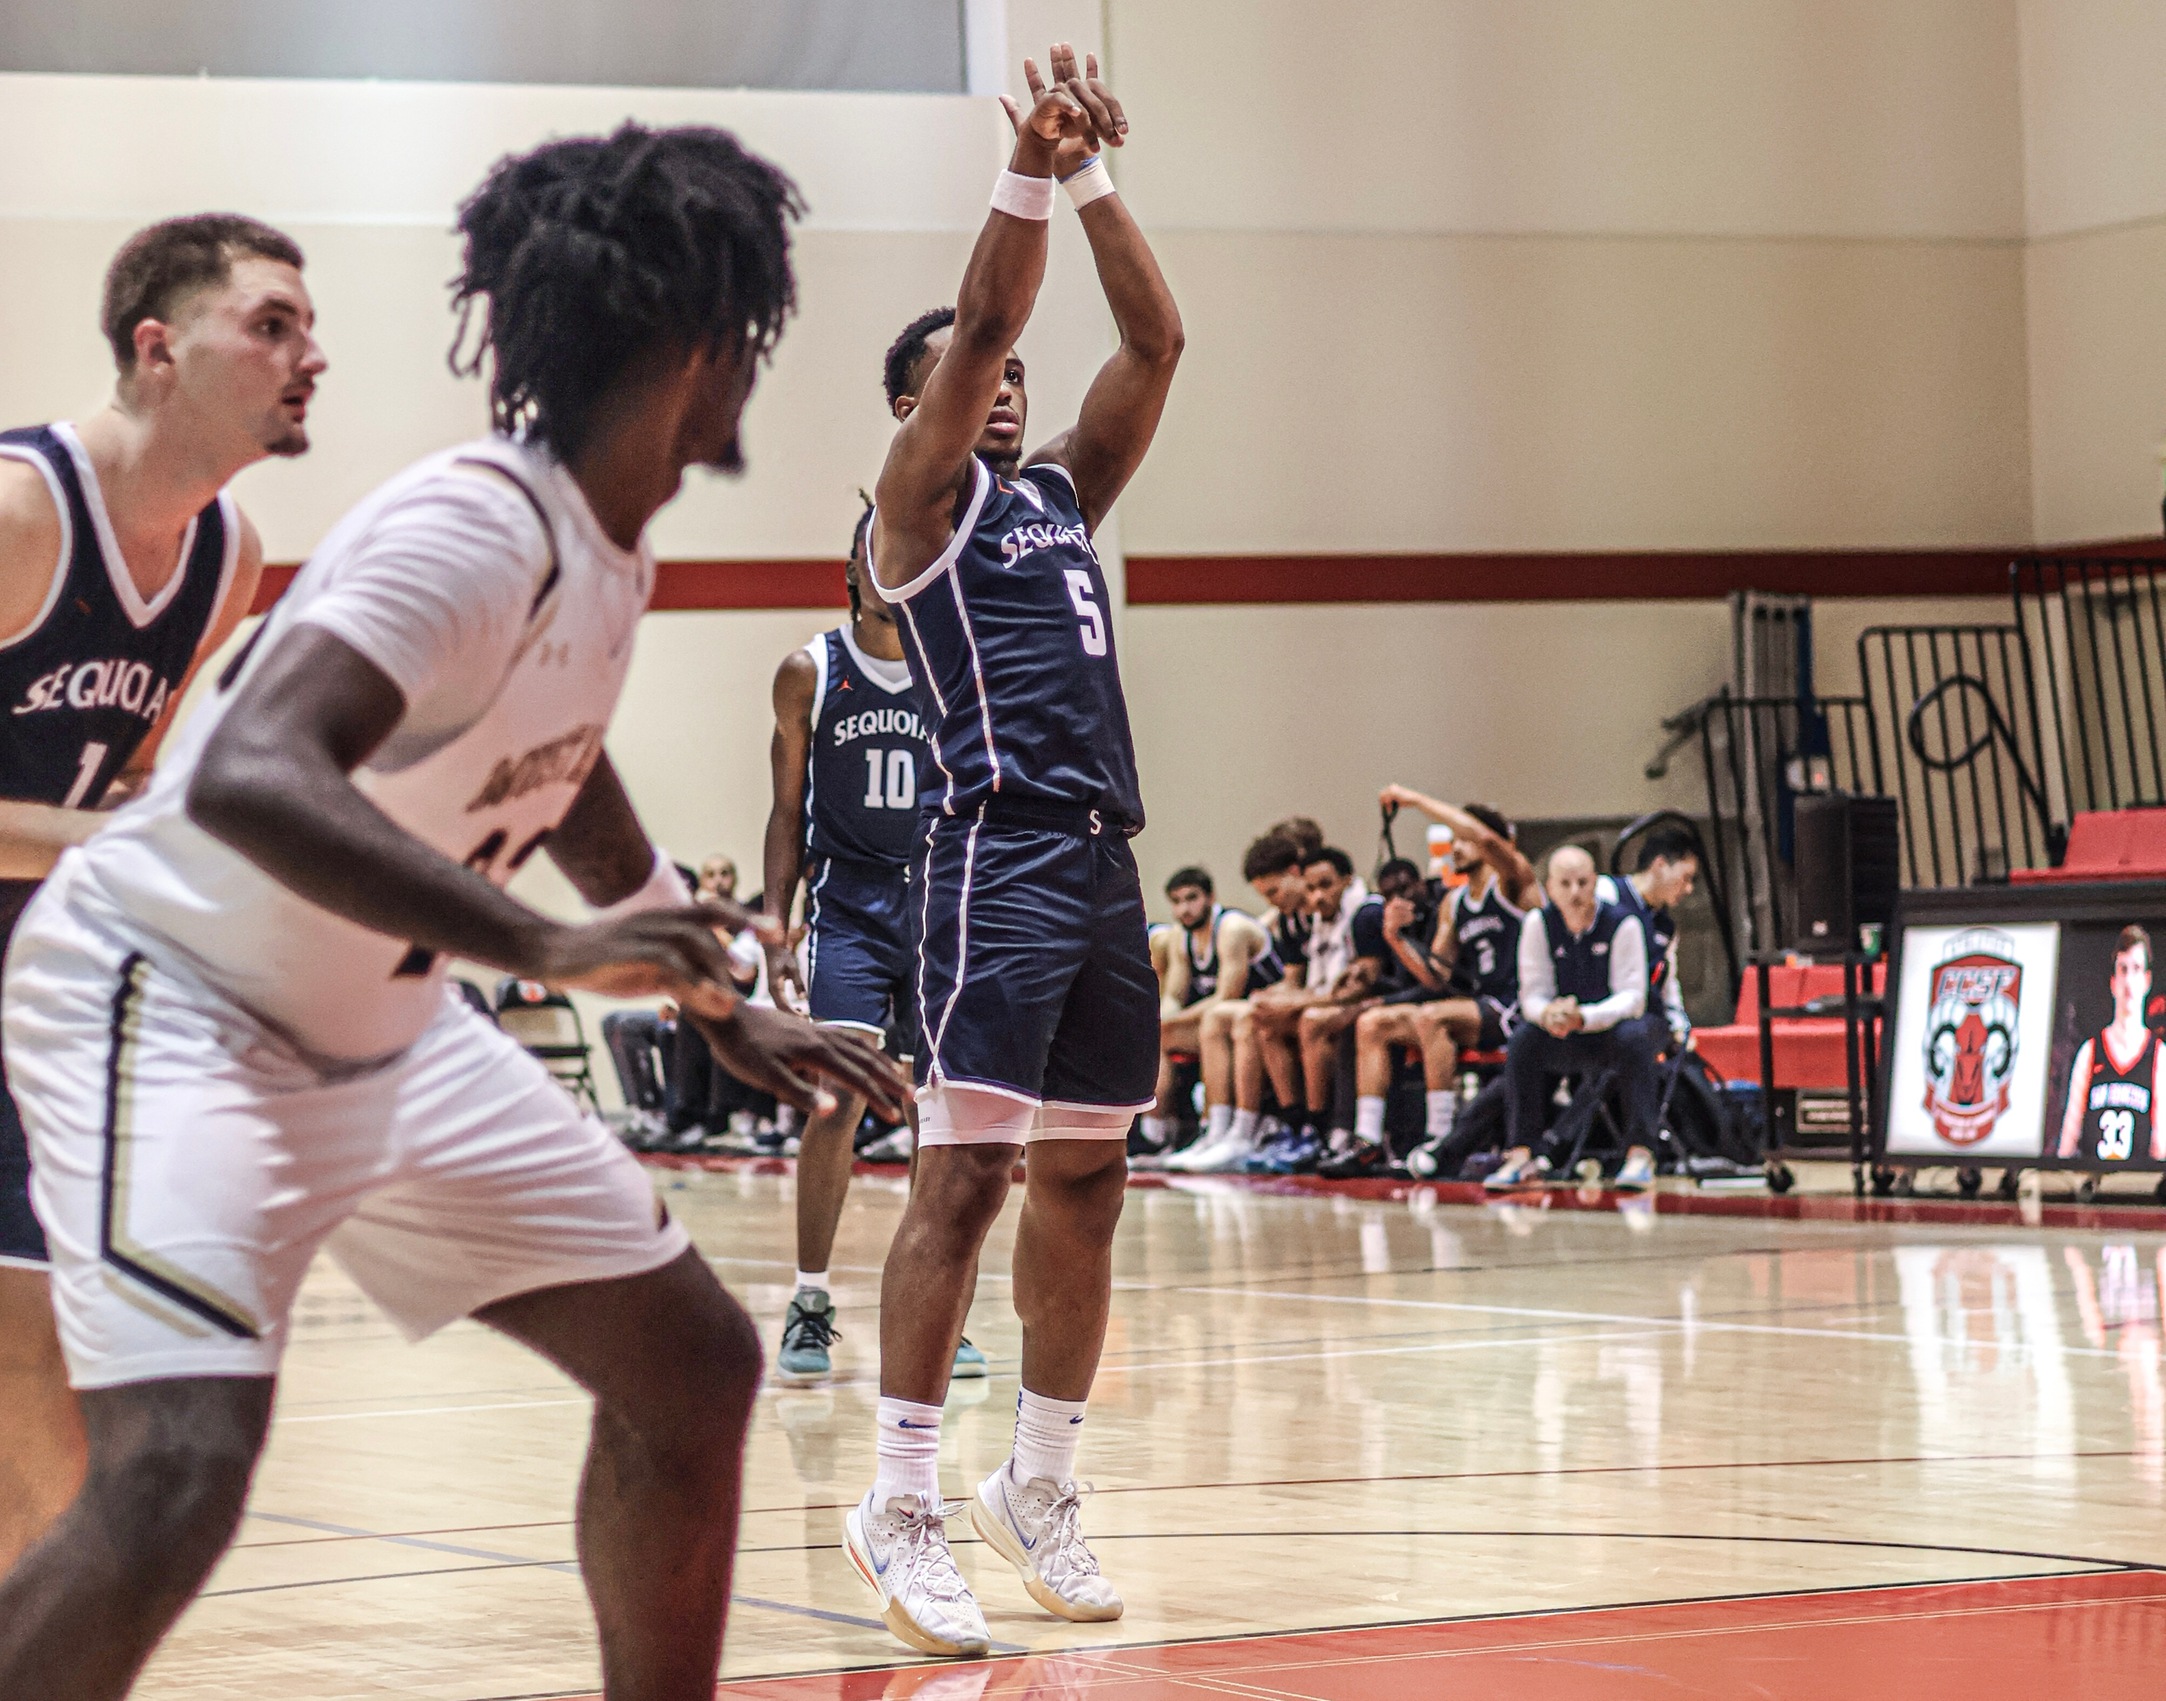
(168, 1476)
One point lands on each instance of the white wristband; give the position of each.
(665, 890)
(1023, 197)
(1088, 182)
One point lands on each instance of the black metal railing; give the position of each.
(2095, 630)
(1759, 755)
(1962, 750)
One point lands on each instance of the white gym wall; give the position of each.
(1459, 275)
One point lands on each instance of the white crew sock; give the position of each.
(812, 1281)
(1046, 1433)
(1154, 1128)
(1443, 1111)
(909, 1449)
(1243, 1126)
(1368, 1118)
(1217, 1120)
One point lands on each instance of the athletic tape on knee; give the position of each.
(1083, 1122)
(970, 1116)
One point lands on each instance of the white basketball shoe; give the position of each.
(1036, 1527)
(901, 1550)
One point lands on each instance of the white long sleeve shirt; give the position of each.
(1627, 974)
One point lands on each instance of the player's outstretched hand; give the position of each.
(797, 1062)
(647, 952)
(1077, 114)
(1109, 124)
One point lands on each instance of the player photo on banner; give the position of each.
(1972, 1041)
(2102, 1104)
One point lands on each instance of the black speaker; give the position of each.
(1846, 865)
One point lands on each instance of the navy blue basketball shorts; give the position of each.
(860, 970)
(1035, 970)
(22, 1241)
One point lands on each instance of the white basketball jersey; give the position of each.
(479, 768)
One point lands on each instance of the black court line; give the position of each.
(1305, 1482)
(499, 1562)
(2081, 1561)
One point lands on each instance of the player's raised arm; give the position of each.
(930, 456)
(1120, 413)
(1514, 872)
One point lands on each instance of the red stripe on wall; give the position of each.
(1176, 580)
(689, 585)
(750, 584)
(1164, 579)
(277, 575)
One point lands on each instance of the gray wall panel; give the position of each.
(904, 45)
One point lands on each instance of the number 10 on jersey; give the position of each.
(891, 779)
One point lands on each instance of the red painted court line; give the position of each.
(2101, 1636)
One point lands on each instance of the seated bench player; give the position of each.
(1211, 955)
(1476, 944)
(1668, 867)
(1233, 1071)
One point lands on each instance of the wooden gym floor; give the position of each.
(1380, 1445)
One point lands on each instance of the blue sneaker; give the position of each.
(1265, 1158)
(807, 1329)
(1298, 1156)
(969, 1363)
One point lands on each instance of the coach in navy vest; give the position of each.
(1582, 990)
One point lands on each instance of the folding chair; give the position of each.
(547, 1024)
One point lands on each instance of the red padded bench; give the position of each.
(1808, 1049)
(2107, 844)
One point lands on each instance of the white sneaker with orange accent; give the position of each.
(901, 1551)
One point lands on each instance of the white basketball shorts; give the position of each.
(187, 1164)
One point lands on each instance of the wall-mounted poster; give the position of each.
(2102, 1104)
(1972, 1041)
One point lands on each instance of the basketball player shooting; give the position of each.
(227, 1017)
(2113, 1087)
(123, 566)
(1037, 1000)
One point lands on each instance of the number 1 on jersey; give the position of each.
(1092, 627)
(93, 759)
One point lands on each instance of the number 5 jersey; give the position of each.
(1011, 655)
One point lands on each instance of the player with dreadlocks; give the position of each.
(227, 1021)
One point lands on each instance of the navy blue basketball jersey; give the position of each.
(1488, 935)
(1660, 926)
(85, 685)
(1011, 656)
(1265, 969)
(861, 781)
